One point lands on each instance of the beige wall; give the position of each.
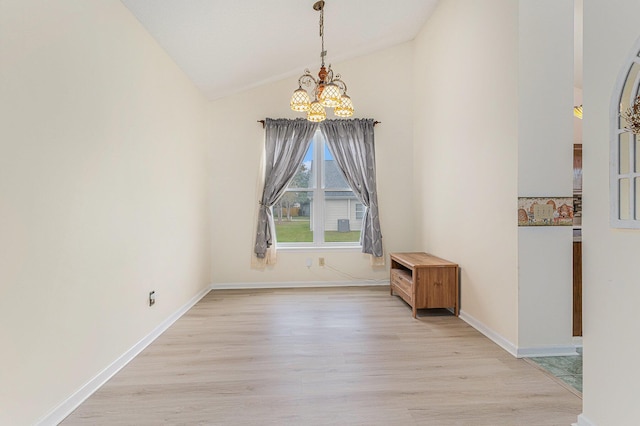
(466, 152)
(493, 122)
(380, 85)
(545, 168)
(611, 268)
(103, 195)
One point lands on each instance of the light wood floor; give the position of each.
(336, 356)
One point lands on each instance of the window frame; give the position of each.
(625, 166)
(318, 208)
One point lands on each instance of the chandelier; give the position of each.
(328, 90)
(632, 116)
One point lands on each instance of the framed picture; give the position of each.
(545, 211)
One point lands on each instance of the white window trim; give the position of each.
(290, 247)
(318, 208)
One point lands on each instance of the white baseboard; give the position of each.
(540, 351)
(492, 335)
(583, 421)
(297, 284)
(67, 406)
(577, 341)
(518, 352)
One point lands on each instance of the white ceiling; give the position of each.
(229, 46)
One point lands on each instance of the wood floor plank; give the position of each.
(334, 356)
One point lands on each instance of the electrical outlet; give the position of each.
(309, 262)
(152, 298)
(321, 261)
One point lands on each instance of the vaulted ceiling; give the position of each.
(229, 46)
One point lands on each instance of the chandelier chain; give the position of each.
(323, 52)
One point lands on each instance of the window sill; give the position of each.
(307, 249)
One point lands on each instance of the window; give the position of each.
(625, 149)
(318, 207)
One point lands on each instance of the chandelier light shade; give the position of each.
(300, 100)
(345, 109)
(330, 96)
(328, 90)
(316, 112)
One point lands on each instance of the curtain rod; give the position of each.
(374, 123)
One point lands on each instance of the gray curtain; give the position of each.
(352, 145)
(286, 143)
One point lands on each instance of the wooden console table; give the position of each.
(424, 281)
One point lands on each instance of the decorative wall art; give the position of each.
(545, 211)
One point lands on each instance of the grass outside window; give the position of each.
(299, 231)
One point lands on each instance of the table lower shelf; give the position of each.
(431, 283)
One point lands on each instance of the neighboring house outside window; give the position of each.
(359, 211)
(318, 208)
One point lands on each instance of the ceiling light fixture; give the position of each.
(328, 89)
(632, 117)
(577, 111)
